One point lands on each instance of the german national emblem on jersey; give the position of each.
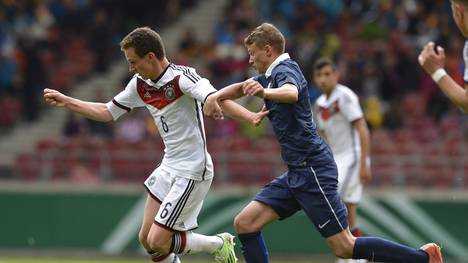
(159, 97)
(151, 181)
(169, 92)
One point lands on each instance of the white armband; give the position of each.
(438, 74)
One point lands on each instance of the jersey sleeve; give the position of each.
(194, 85)
(285, 75)
(350, 107)
(126, 100)
(465, 58)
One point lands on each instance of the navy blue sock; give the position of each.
(381, 250)
(254, 248)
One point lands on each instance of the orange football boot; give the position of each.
(433, 250)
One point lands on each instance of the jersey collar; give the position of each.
(333, 95)
(281, 57)
(159, 81)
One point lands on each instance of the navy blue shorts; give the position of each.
(312, 189)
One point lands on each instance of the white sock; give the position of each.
(197, 243)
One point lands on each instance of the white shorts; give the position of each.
(349, 180)
(181, 199)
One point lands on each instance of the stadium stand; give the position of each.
(418, 138)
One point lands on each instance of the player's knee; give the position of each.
(143, 238)
(244, 224)
(156, 244)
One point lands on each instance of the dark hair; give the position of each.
(144, 40)
(266, 34)
(323, 62)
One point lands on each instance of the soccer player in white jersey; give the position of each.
(341, 122)
(432, 60)
(176, 189)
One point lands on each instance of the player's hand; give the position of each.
(431, 59)
(212, 109)
(253, 88)
(54, 98)
(365, 174)
(259, 116)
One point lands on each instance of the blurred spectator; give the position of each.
(55, 43)
(75, 126)
(81, 172)
(132, 128)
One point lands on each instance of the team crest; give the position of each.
(169, 92)
(151, 181)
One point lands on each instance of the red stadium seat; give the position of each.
(27, 167)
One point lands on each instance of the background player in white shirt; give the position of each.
(342, 124)
(173, 94)
(433, 61)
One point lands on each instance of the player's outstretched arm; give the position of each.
(211, 105)
(92, 110)
(433, 63)
(456, 93)
(238, 112)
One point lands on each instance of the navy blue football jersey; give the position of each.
(297, 133)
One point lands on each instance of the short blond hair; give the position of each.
(266, 34)
(461, 2)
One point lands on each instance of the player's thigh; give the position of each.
(277, 196)
(151, 208)
(254, 217)
(180, 208)
(315, 189)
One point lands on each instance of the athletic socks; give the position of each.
(187, 243)
(381, 250)
(196, 243)
(253, 247)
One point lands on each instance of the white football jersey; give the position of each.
(174, 100)
(334, 117)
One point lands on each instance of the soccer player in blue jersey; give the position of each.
(310, 184)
